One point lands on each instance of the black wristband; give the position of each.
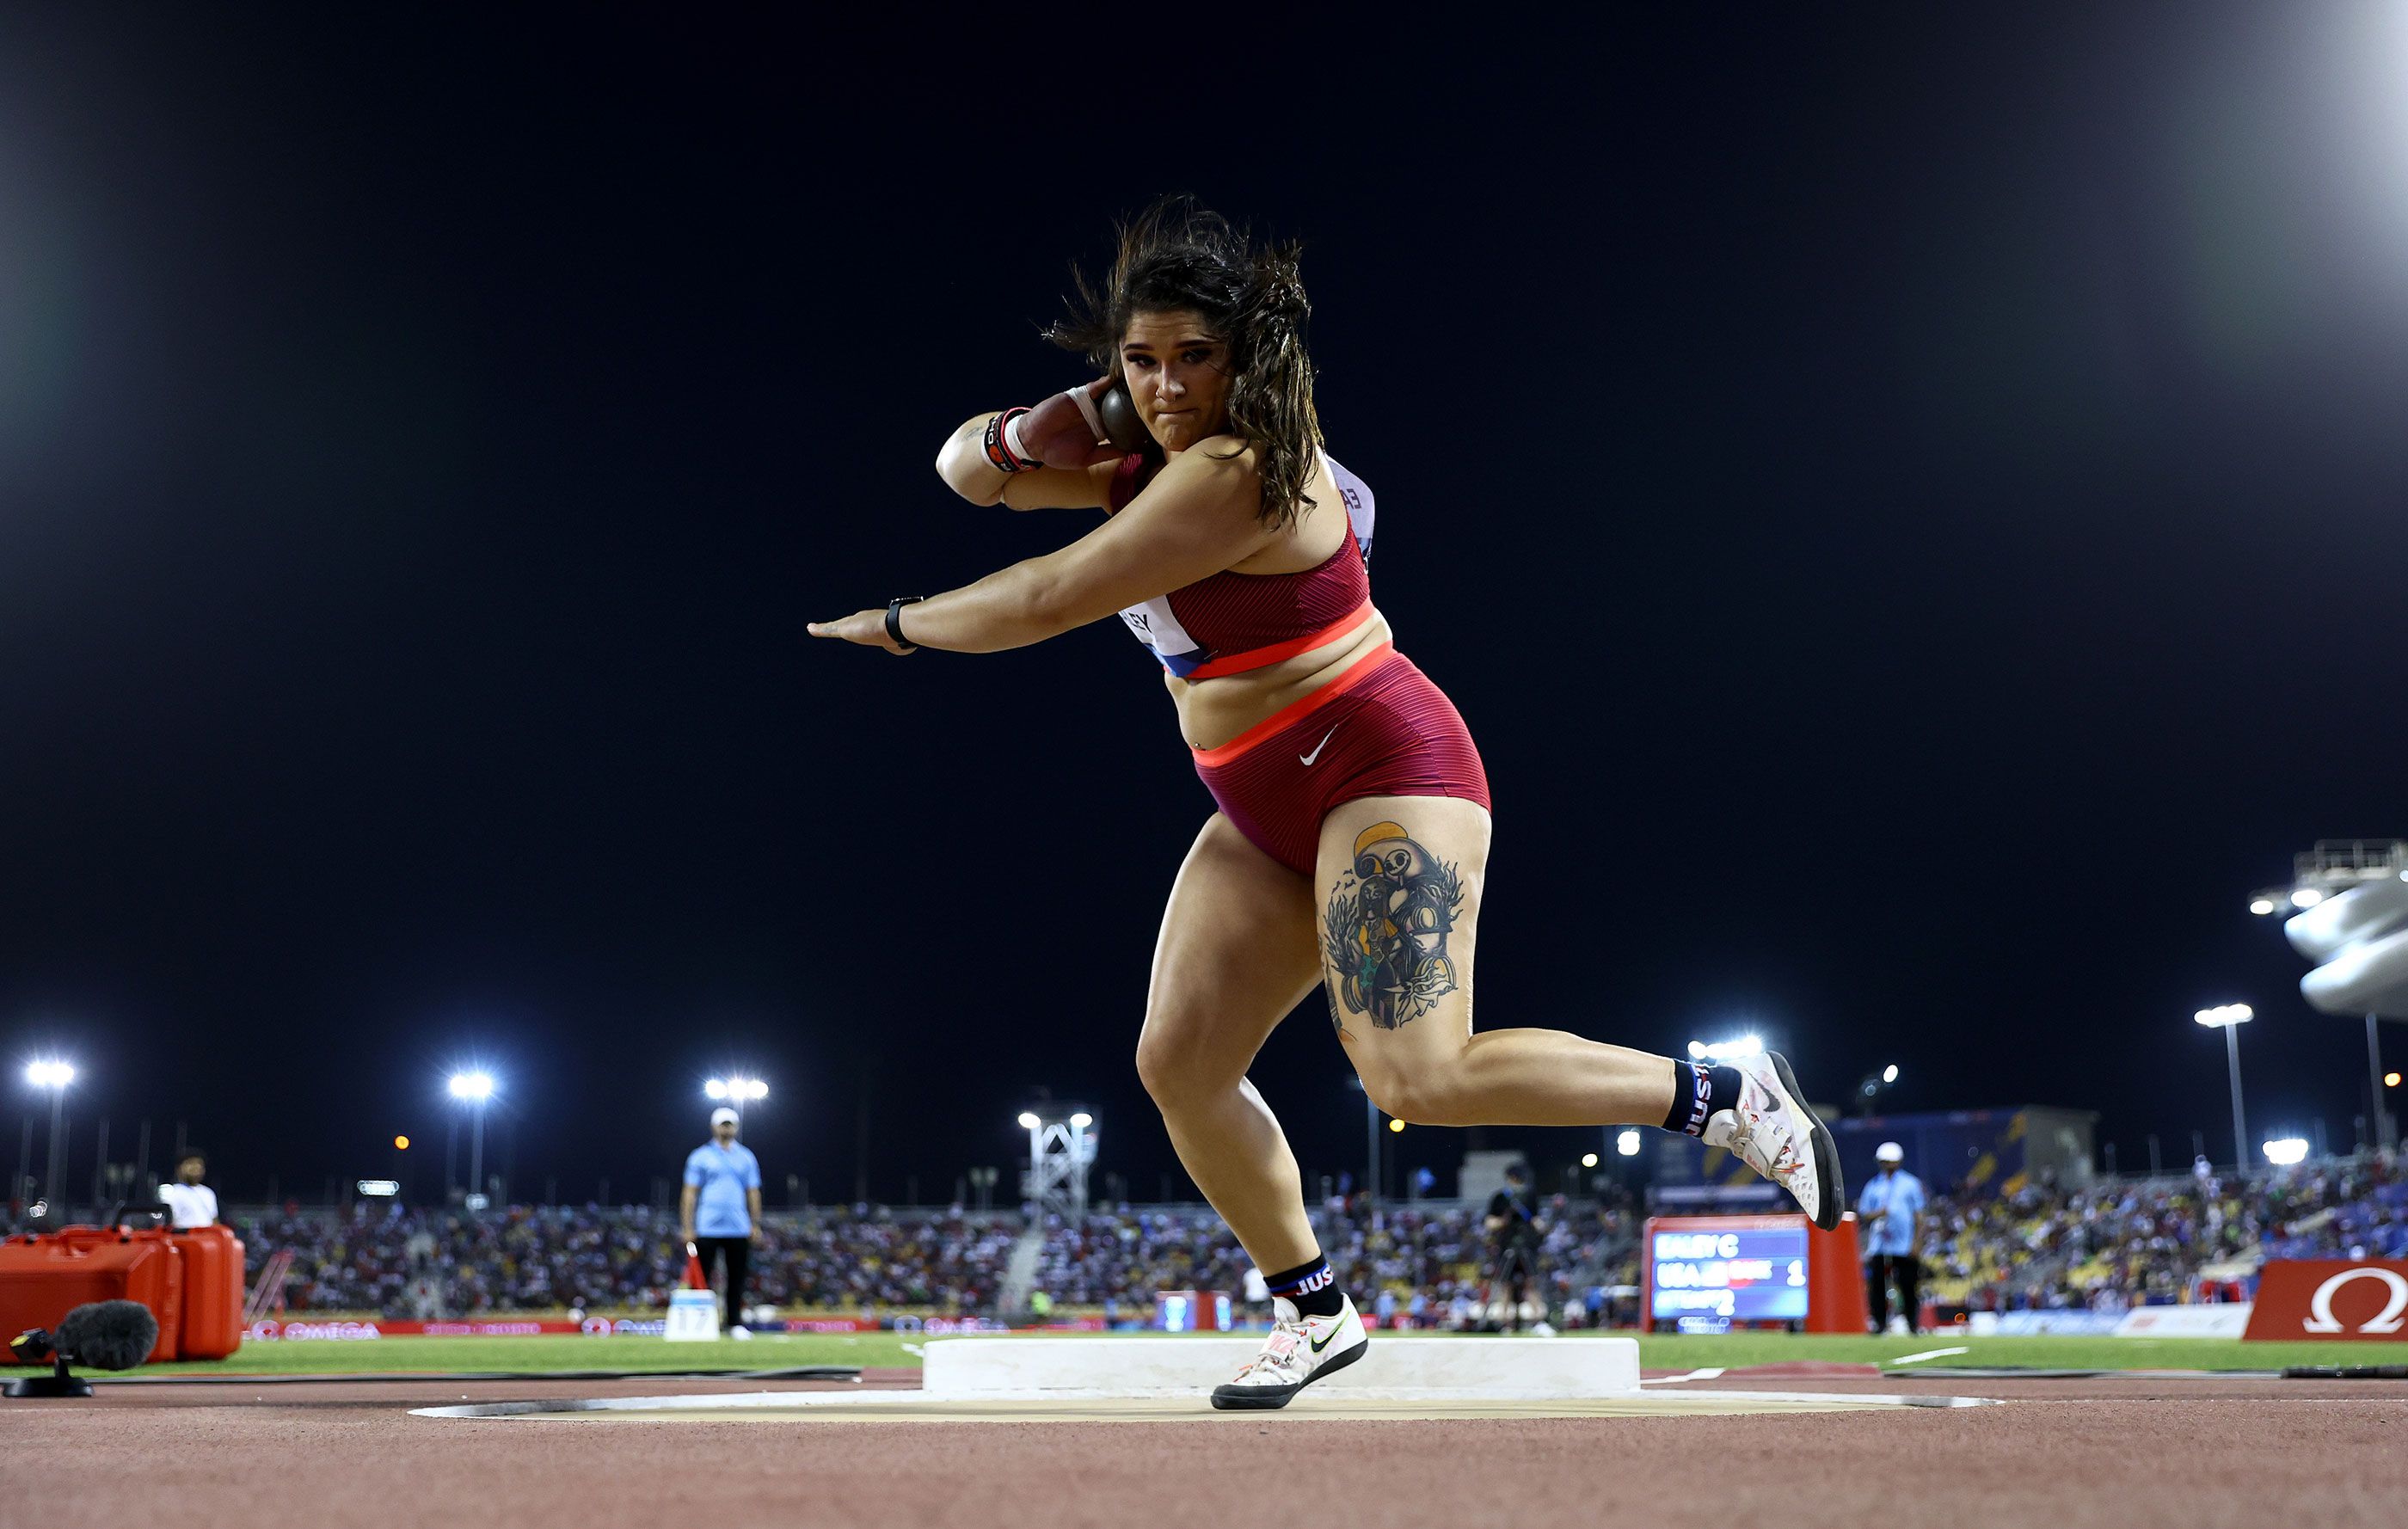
(895, 622)
(999, 445)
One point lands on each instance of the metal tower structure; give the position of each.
(1061, 1150)
(2348, 912)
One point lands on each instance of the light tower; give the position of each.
(475, 1088)
(2230, 1018)
(53, 1075)
(2346, 910)
(1061, 1148)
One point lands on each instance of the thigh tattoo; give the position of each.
(1387, 929)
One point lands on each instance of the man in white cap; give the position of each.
(190, 1202)
(1886, 1211)
(720, 1210)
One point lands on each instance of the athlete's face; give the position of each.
(1178, 372)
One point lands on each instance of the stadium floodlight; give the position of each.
(1628, 1143)
(475, 1087)
(2230, 1018)
(1727, 1050)
(738, 1090)
(1029, 1120)
(2261, 905)
(1082, 1120)
(50, 1073)
(1890, 1074)
(2306, 897)
(380, 1188)
(1588, 1160)
(2283, 1151)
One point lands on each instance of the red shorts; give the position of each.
(1379, 729)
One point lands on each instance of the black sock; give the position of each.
(1697, 1091)
(1312, 1286)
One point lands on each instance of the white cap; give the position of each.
(1889, 1151)
(723, 1114)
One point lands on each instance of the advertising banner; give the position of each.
(2072, 1321)
(2330, 1298)
(303, 1331)
(2224, 1320)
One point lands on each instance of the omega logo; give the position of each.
(2321, 1318)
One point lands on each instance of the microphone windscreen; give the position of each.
(109, 1335)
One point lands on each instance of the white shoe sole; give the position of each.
(1269, 1398)
(1834, 1192)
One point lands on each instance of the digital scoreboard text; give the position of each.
(1746, 1275)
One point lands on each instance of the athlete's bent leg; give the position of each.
(1399, 883)
(1236, 955)
(1400, 987)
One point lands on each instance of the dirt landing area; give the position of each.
(2117, 1453)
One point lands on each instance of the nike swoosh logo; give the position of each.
(1306, 760)
(1320, 1343)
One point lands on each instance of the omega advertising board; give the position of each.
(2331, 1298)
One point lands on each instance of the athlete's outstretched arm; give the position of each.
(1198, 517)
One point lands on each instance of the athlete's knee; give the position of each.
(1176, 1066)
(1415, 1095)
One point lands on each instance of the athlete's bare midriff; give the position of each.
(1214, 712)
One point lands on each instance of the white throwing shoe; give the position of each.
(1773, 1132)
(1300, 1350)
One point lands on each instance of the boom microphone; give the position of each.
(101, 1335)
(107, 1335)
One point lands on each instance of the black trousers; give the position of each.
(1514, 1267)
(1906, 1270)
(738, 1252)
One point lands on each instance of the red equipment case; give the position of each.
(212, 1324)
(43, 1278)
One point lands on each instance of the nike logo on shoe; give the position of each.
(1306, 760)
(1322, 1341)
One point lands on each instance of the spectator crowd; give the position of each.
(2107, 1247)
(401, 1263)
(2154, 1242)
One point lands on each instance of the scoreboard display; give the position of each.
(1710, 1270)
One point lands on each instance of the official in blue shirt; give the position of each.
(1885, 1217)
(719, 1212)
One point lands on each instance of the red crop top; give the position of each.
(1229, 623)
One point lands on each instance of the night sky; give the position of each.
(1911, 506)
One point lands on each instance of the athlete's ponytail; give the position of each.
(1177, 255)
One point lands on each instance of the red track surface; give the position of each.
(2120, 1454)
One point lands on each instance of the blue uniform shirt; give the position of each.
(1900, 1193)
(722, 1176)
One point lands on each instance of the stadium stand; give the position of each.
(2112, 1246)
